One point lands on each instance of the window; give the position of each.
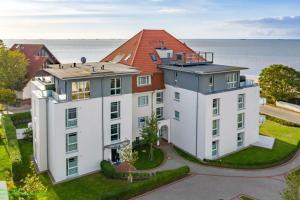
(215, 127)
(115, 110)
(80, 90)
(153, 57)
(144, 80)
(241, 101)
(71, 142)
(216, 106)
(142, 121)
(159, 113)
(115, 86)
(176, 78)
(115, 132)
(240, 139)
(231, 80)
(71, 117)
(72, 166)
(143, 101)
(215, 148)
(176, 115)
(241, 120)
(210, 81)
(177, 96)
(159, 97)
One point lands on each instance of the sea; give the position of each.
(255, 54)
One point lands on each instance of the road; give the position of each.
(211, 183)
(281, 113)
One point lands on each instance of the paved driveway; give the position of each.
(210, 183)
(281, 113)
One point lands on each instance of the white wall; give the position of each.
(25, 93)
(183, 132)
(228, 120)
(89, 133)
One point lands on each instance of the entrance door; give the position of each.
(115, 158)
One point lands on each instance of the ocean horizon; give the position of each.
(255, 54)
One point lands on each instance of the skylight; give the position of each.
(153, 57)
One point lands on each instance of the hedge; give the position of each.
(13, 147)
(281, 121)
(134, 189)
(21, 118)
(110, 172)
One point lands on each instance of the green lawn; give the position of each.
(285, 145)
(5, 164)
(144, 163)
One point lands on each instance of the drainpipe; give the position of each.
(102, 121)
(47, 133)
(197, 116)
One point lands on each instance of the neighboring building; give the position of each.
(38, 56)
(207, 110)
(80, 116)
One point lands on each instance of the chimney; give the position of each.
(162, 46)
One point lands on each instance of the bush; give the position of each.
(161, 178)
(109, 171)
(13, 147)
(21, 118)
(281, 121)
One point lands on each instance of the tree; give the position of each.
(130, 157)
(149, 134)
(279, 82)
(7, 96)
(2, 45)
(292, 190)
(13, 67)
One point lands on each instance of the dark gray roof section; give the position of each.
(204, 68)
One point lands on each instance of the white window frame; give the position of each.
(73, 120)
(118, 133)
(216, 130)
(159, 97)
(117, 112)
(84, 86)
(216, 109)
(114, 89)
(232, 79)
(176, 96)
(142, 124)
(215, 152)
(71, 144)
(242, 121)
(159, 110)
(143, 80)
(240, 142)
(71, 168)
(241, 101)
(177, 115)
(143, 101)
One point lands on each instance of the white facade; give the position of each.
(93, 119)
(197, 138)
(25, 93)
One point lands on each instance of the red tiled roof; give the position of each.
(35, 62)
(141, 45)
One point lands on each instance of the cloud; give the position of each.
(273, 22)
(169, 10)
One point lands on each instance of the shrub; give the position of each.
(281, 121)
(161, 178)
(13, 147)
(108, 170)
(20, 118)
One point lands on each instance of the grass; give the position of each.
(5, 164)
(245, 198)
(286, 144)
(24, 125)
(144, 162)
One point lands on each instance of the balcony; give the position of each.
(190, 59)
(244, 82)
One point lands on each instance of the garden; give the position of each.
(286, 145)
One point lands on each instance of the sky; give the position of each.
(87, 19)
